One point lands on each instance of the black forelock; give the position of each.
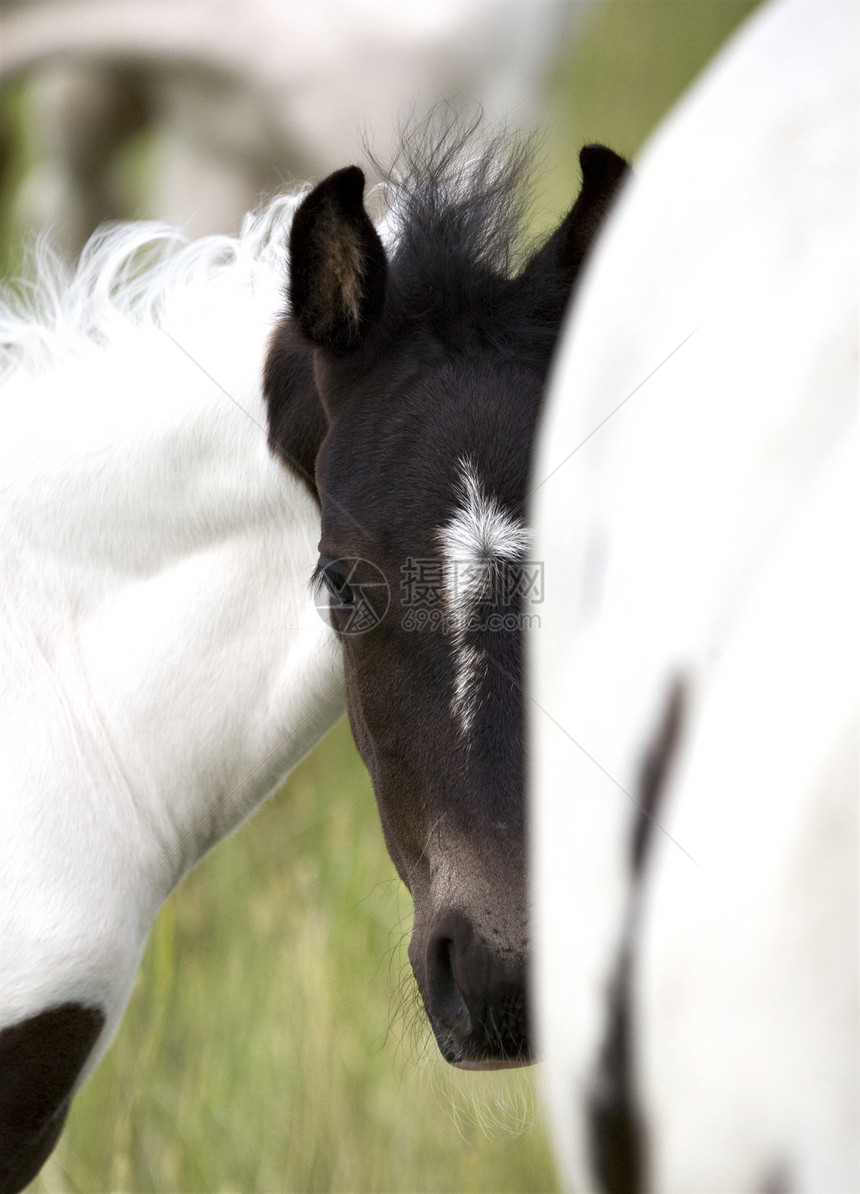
(459, 201)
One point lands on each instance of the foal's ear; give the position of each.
(603, 172)
(337, 264)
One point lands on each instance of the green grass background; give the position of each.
(273, 1041)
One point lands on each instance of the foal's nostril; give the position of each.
(445, 997)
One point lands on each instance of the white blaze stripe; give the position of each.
(479, 536)
(471, 673)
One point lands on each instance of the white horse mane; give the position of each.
(162, 663)
(139, 274)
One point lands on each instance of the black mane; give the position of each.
(458, 243)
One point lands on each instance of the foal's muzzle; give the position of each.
(475, 997)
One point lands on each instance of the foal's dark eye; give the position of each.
(331, 574)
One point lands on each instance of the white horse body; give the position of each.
(161, 661)
(702, 425)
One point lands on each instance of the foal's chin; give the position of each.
(486, 1066)
(481, 1056)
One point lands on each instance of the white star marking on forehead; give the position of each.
(477, 539)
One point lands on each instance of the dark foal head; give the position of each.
(405, 384)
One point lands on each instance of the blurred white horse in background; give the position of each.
(245, 94)
(694, 682)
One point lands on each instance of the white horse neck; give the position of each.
(161, 663)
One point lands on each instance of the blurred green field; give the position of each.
(273, 1042)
